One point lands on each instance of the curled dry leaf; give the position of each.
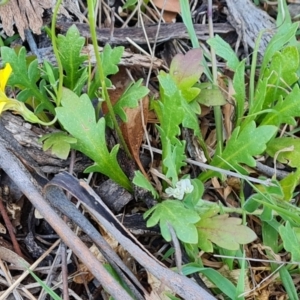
(83, 274)
(170, 9)
(168, 5)
(159, 289)
(133, 129)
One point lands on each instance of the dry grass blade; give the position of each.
(26, 273)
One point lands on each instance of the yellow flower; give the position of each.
(4, 75)
(13, 104)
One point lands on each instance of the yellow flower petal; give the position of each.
(2, 105)
(4, 75)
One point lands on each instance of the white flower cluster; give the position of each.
(183, 186)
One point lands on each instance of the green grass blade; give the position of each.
(222, 283)
(288, 283)
(44, 286)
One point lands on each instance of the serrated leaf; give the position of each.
(239, 91)
(77, 116)
(71, 57)
(186, 71)
(290, 241)
(225, 51)
(129, 99)
(241, 147)
(172, 113)
(289, 184)
(178, 216)
(284, 34)
(140, 180)
(23, 77)
(59, 142)
(190, 119)
(225, 232)
(281, 73)
(281, 147)
(175, 159)
(285, 110)
(110, 58)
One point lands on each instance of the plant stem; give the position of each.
(105, 95)
(55, 50)
(242, 200)
(217, 109)
(253, 69)
(204, 148)
(229, 210)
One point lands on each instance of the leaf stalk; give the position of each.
(92, 25)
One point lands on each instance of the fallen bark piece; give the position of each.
(136, 34)
(248, 20)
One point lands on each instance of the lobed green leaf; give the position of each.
(241, 147)
(130, 98)
(290, 241)
(286, 150)
(224, 231)
(60, 142)
(25, 77)
(71, 57)
(77, 115)
(178, 216)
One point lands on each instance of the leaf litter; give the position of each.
(234, 157)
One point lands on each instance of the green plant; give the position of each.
(261, 108)
(178, 107)
(58, 90)
(44, 286)
(272, 102)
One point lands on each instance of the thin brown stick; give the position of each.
(63, 251)
(10, 229)
(25, 182)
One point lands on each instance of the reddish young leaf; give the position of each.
(187, 69)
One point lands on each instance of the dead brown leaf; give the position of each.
(168, 5)
(170, 9)
(169, 16)
(132, 130)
